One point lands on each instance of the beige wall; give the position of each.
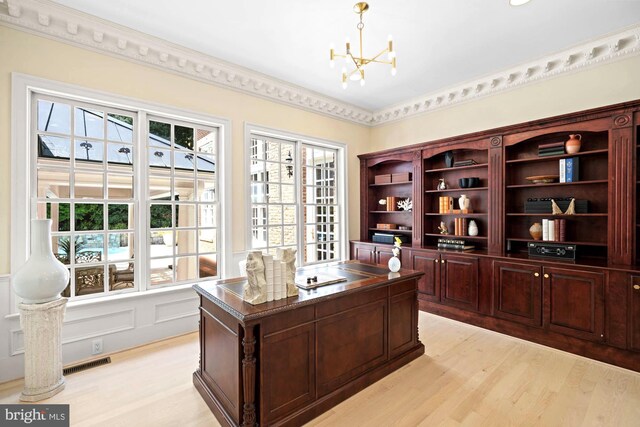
(595, 87)
(29, 54)
(25, 53)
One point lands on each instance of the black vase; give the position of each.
(448, 159)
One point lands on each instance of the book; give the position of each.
(551, 145)
(464, 163)
(563, 230)
(283, 278)
(562, 171)
(454, 244)
(553, 152)
(552, 230)
(268, 273)
(572, 169)
(545, 229)
(277, 280)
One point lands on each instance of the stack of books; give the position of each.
(570, 169)
(445, 205)
(551, 149)
(392, 203)
(460, 227)
(464, 163)
(554, 230)
(458, 245)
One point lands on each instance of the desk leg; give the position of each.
(249, 378)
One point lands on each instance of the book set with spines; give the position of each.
(554, 230)
(551, 149)
(460, 227)
(570, 169)
(458, 245)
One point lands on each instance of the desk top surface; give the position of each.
(227, 293)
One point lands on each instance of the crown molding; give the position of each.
(57, 22)
(61, 23)
(610, 48)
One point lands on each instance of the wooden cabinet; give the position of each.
(574, 302)
(371, 253)
(459, 281)
(588, 305)
(427, 262)
(634, 313)
(517, 292)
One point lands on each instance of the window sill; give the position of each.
(119, 297)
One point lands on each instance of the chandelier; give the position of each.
(358, 60)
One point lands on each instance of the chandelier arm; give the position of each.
(375, 58)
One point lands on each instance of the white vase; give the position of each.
(464, 202)
(43, 277)
(473, 228)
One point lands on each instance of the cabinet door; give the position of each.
(363, 252)
(634, 314)
(517, 293)
(383, 254)
(574, 303)
(428, 263)
(459, 281)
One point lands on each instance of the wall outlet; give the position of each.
(96, 346)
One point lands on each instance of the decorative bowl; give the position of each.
(542, 179)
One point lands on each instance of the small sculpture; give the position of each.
(443, 228)
(555, 209)
(406, 204)
(441, 184)
(382, 202)
(571, 210)
(255, 290)
(464, 202)
(473, 228)
(448, 159)
(288, 257)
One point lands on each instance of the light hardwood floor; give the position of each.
(468, 377)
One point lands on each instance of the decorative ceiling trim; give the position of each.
(596, 52)
(61, 23)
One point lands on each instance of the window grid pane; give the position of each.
(182, 181)
(71, 191)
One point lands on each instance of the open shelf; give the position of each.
(558, 215)
(451, 236)
(518, 239)
(454, 168)
(556, 184)
(391, 183)
(392, 230)
(457, 190)
(559, 156)
(471, 215)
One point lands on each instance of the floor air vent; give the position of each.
(88, 365)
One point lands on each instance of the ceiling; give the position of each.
(439, 44)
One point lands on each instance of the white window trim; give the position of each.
(22, 89)
(343, 185)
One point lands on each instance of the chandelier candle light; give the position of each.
(360, 61)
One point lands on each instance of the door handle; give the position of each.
(536, 274)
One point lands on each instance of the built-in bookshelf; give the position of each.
(442, 165)
(588, 228)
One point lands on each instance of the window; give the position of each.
(295, 191)
(110, 178)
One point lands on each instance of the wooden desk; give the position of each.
(285, 362)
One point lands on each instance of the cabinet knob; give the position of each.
(442, 261)
(636, 287)
(546, 276)
(436, 261)
(536, 274)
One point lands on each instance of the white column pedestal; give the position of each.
(42, 326)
